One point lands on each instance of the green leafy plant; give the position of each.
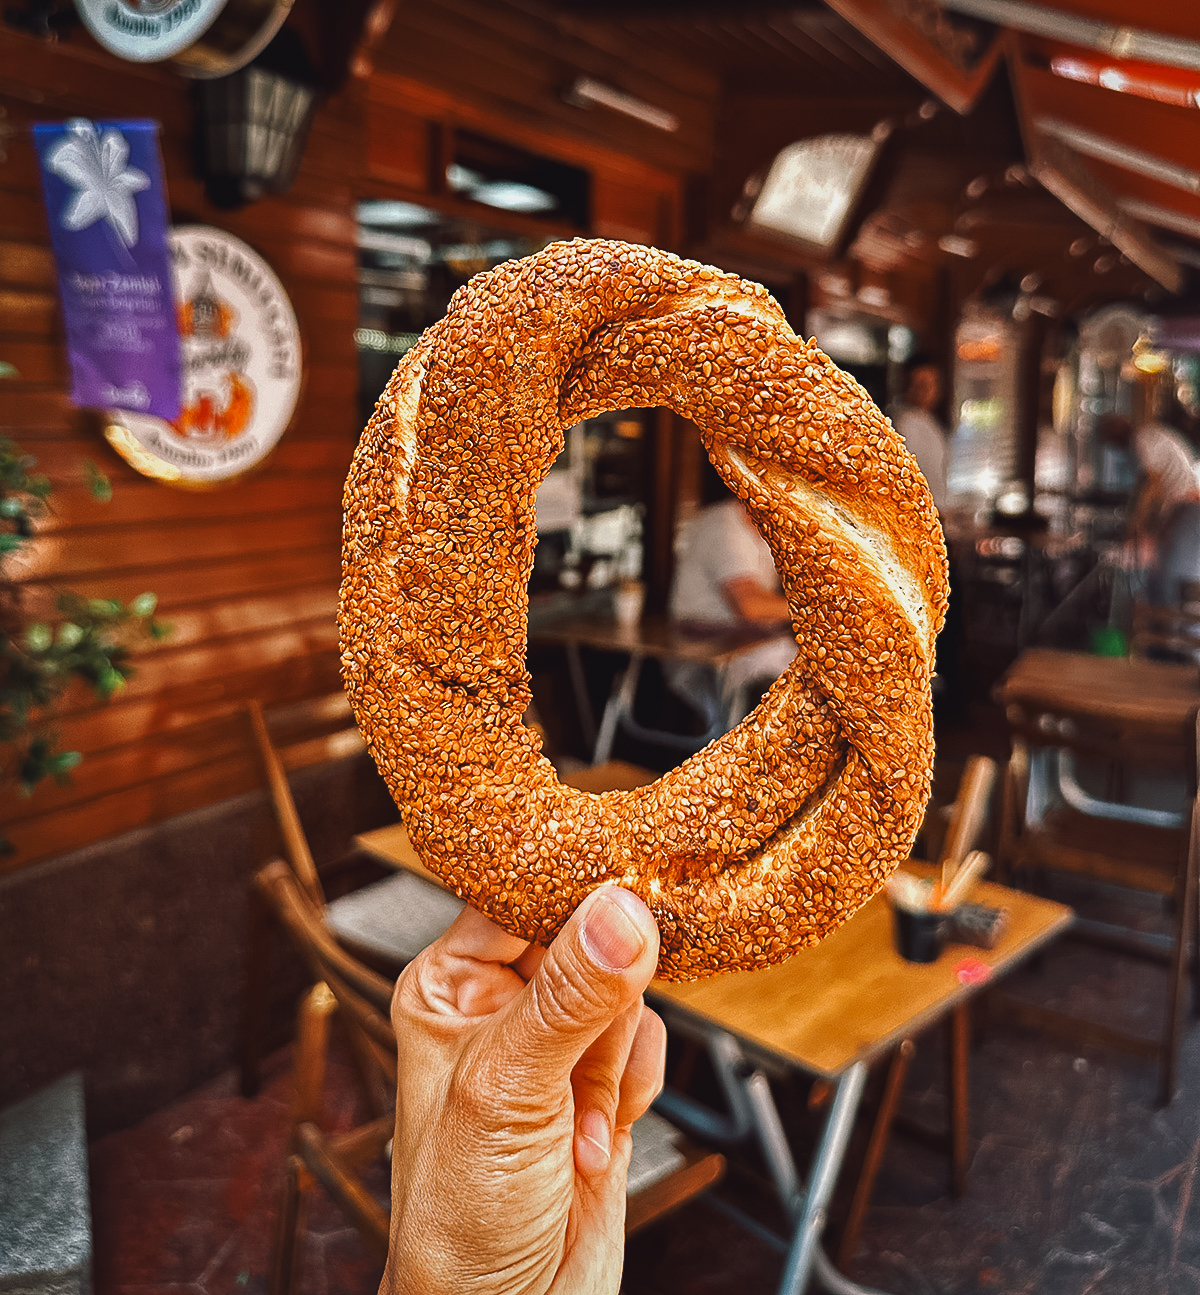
(87, 639)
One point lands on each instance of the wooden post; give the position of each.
(1031, 343)
(659, 560)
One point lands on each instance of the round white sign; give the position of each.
(145, 31)
(242, 366)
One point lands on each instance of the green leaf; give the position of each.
(70, 634)
(109, 682)
(38, 637)
(160, 630)
(104, 608)
(61, 764)
(98, 483)
(11, 543)
(11, 506)
(8, 370)
(144, 604)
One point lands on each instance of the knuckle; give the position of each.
(565, 994)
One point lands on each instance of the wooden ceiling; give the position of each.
(1004, 167)
(1107, 93)
(1045, 149)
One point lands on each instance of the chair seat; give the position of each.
(655, 1151)
(1126, 854)
(666, 1170)
(394, 918)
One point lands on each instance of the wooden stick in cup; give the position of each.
(970, 810)
(968, 873)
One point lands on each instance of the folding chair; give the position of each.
(386, 923)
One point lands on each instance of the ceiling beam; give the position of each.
(1105, 149)
(1066, 176)
(1091, 33)
(938, 67)
(1164, 217)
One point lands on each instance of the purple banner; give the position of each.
(107, 208)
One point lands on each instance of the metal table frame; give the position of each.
(754, 1115)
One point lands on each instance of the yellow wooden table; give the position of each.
(852, 998)
(831, 1011)
(654, 636)
(1149, 694)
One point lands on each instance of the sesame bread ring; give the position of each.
(775, 833)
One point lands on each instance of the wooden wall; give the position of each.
(248, 574)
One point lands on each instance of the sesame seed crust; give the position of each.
(772, 835)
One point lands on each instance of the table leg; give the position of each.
(960, 1098)
(880, 1132)
(620, 702)
(813, 1204)
(753, 1111)
(583, 701)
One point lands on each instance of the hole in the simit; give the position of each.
(656, 617)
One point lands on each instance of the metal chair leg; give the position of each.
(1184, 914)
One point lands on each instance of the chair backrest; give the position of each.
(1132, 742)
(363, 994)
(970, 809)
(295, 737)
(1166, 633)
(1125, 769)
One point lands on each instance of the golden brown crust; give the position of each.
(772, 835)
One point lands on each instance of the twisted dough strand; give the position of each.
(769, 837)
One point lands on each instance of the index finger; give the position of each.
(465, 972)
(471, 935)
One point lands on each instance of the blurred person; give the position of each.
(725, 577)
(521, 1072)
(927, 441)
(923, 434)
(1163, 527)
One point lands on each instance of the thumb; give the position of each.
(596, 968)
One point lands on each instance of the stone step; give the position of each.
(45, 1218)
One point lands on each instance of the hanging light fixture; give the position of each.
(252, 126)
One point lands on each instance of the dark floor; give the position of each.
(1078, 1184)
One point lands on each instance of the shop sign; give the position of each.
(242, 366)
(107, 209)
(145, 31)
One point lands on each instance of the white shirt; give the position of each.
(718, 545)
(927, 445)
(1162, 452)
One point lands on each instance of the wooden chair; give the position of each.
(668, 1170)
(315, 1156)
(1053, 824)
(1166, 633)
(386, 923)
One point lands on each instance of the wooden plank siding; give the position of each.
(248, 574)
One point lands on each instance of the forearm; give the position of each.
(755, 604)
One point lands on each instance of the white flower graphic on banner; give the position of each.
(95, 166)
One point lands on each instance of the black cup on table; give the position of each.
(920, 936)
